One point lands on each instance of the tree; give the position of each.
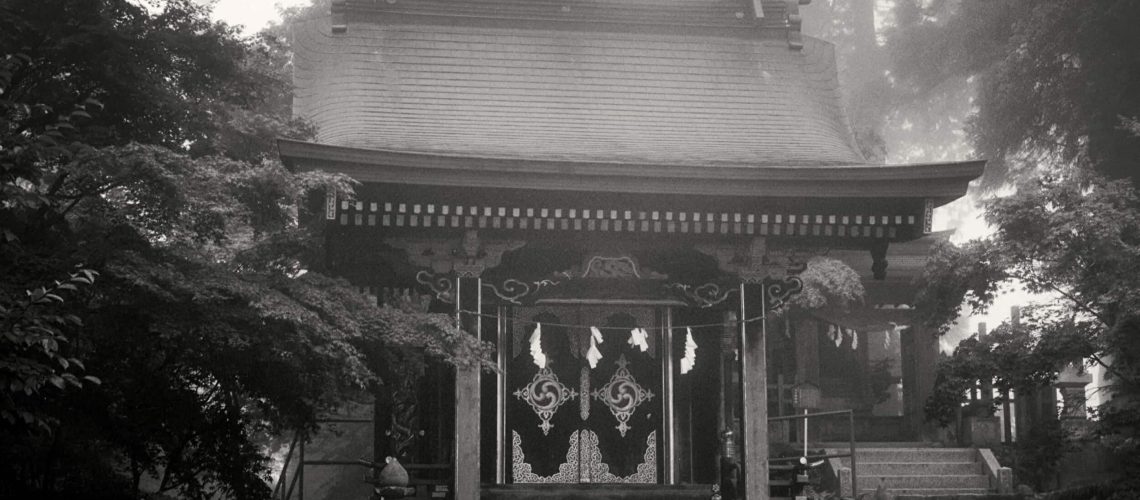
(1053, 78)
(1074, 237)
(850, 26)
(138, 144)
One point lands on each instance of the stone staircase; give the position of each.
(923, 471)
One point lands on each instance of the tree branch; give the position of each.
(1108, 368)
(1077, 303)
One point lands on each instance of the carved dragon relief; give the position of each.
(467, 257)
(755, 261)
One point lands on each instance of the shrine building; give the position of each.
(620, 196)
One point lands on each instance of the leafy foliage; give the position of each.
(1037, 456)
(1053, 77)
(1076, 238)
(138, 143)
(1020, 358)
(828, 283)
(32, 359)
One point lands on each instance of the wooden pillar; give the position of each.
(987, 385)
(503, 344)
(754, 395)
(668, 387)
(920, 361)
(467, 400)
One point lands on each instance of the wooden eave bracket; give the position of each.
(337, 9)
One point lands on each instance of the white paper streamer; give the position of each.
(638, 337)
(854, 338)
(536, 346)
(593, 355)
(690, 358)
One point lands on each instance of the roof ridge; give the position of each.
(777, 19)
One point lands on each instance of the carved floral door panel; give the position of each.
(572, 423)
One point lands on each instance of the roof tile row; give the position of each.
(552, 94)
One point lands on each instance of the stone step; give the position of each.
(899, 494)
(956, 481)
(922, 455)
(871, 444)
(906, 468)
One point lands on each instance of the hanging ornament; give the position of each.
(593, 355)
(690, 358)
(536, 346)
(854, 338)
(638, 338)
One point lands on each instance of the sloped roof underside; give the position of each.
(492, 91)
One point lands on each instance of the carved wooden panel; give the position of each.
(573, 423)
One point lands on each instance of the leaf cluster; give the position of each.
(1019, 357)
(33, 357)
(1053, 78)
(828, 283)
(1075, 239)
(138, 142)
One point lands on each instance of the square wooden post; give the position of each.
(467, 405)
(754, 395)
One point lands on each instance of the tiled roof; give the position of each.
(541, 92)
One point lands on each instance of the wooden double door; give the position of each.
(570, 422)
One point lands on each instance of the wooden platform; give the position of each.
(597, 491)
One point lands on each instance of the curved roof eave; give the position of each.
(941, 182)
